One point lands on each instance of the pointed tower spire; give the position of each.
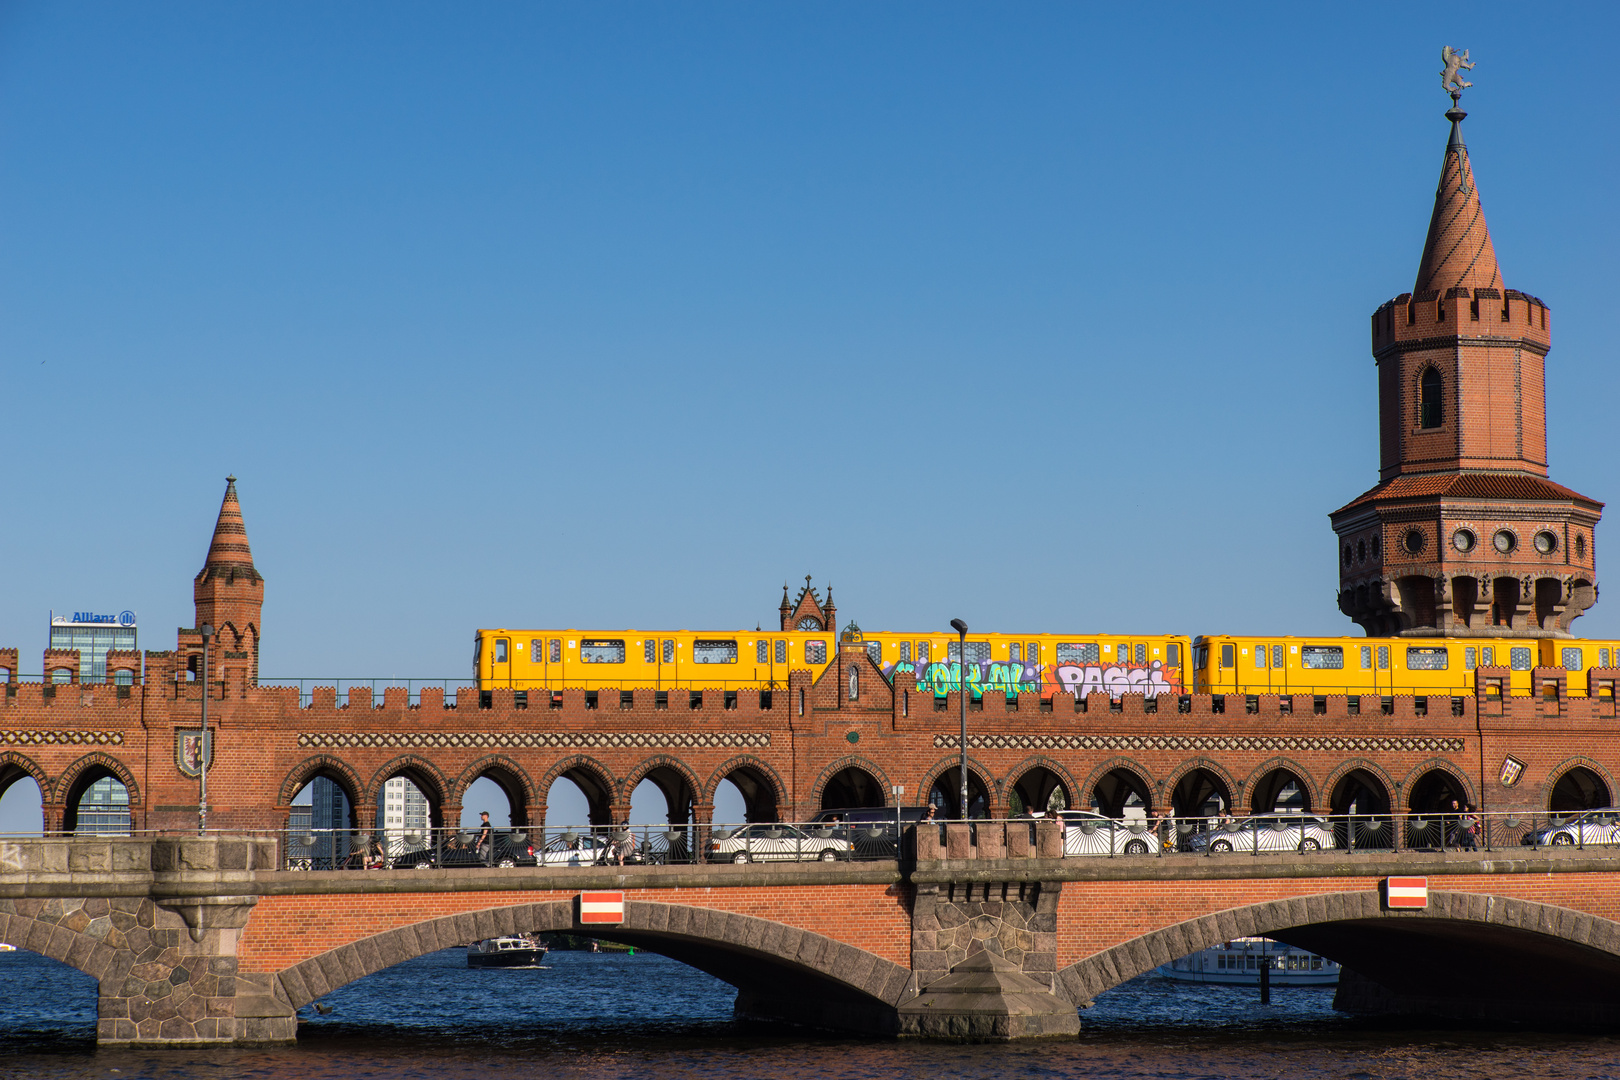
(1458, 253)
(229, 591)
(228, 552)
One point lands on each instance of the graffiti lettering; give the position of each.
(982, 678)
(1116, 681)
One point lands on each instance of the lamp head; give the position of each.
(959, 626)
(207, 630)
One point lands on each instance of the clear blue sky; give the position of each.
(621, 315)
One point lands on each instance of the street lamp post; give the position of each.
(202, 800)
(961, 666)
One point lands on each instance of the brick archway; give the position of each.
(760, 775)
(14, 766)
(1246, 794)
(72, 784)
(510, 777)
(419, 771)
(767, 961)
(333, 768)
(1298, 919)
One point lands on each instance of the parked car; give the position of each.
(461, 851)
(1265, 832)
(1086, 832)
(576, 849)
(779, 843)
(1592, 827)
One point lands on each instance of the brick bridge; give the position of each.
(193, 941)
(790, 752)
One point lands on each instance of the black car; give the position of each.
(511, 849)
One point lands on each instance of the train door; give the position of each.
(500, 663)
(1269, 674)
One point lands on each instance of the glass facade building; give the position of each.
(94, 636)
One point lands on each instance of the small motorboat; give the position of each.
(521, 951)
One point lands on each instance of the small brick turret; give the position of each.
(229, 595)
(1464, 535)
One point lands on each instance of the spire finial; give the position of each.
(1451, 80)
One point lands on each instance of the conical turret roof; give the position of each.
(228, 552)
(1458, 252)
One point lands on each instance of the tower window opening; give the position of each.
(1473, 310)
(1430, 412)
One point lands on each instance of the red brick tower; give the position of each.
(229, 593)
(1464, 535)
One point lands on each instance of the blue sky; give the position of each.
(1044, 316)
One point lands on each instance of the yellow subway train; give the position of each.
(1010, 664)
(726, 661)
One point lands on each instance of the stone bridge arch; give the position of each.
(780, 972)
(1470, 954)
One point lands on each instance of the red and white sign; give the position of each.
(608, 907)
(1406, 892)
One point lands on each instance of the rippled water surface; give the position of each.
(607, 1015)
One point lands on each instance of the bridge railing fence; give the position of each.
(1084, 836)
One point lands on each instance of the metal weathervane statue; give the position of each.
(1451, 80)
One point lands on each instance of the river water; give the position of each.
(611, 1015)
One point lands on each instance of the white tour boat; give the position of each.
(505, 952)
(1237, 963)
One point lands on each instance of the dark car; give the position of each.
(871, 830)
(461, 850)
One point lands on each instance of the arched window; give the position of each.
(1430, 413)
(854, 683)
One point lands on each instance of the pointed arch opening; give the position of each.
(1431, 399)
(323, 830)
(1038, 790)
(851, 787)
(1360, 806)
(1578, 789)
(945, 796)
(1122, 793)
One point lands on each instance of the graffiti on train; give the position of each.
(1115, 680)
(987, 677)
(1015, 678)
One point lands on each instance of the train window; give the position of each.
(1228, 655)
(1572, 659)
(978, 652)
(669, 651)
(762, 652)
(1141, 653)
(478, 650)
(905, 652)
(1201, 657)
(1366, 658)
(1015, 653)
(1383, 658)
(537, 650)
(1487, 656)
(1259, 656)
(602, 651)
(874, 649)
(1470, 658)
(1519, 658)
(781, 652)
(649, 651)
(1322, 657)
(714, 652)
(815, 652)
(556, 650)
(1078, 653)
(500, 650)
(1276, 656)
(1603, 658)
(1427, 658)
(1032, 652)
(922, 652)
(1172, 654)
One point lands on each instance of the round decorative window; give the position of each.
(1505, 541)
(1413, 541)
(1546, 543)
(1463, 540)
(1580, 546)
